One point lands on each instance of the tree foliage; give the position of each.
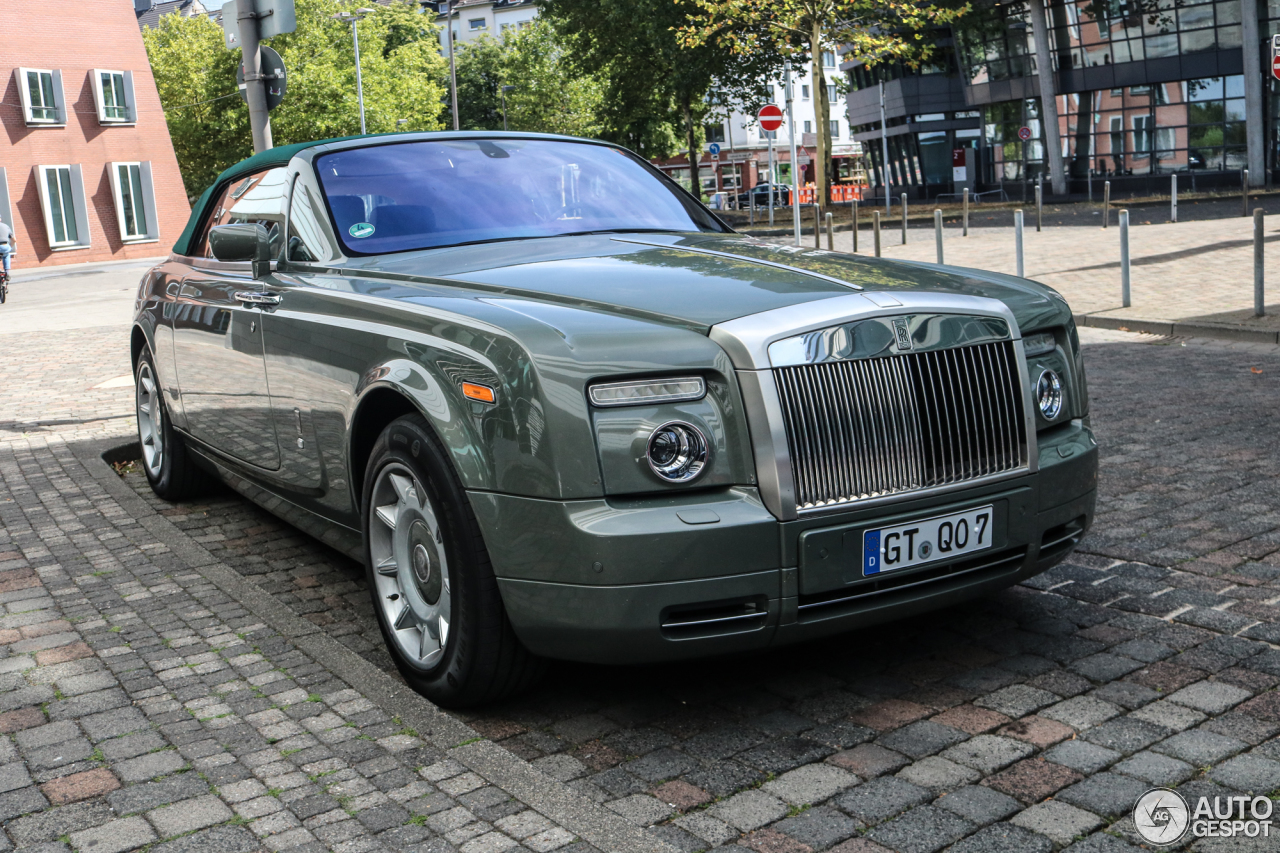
(660, 92)
(874, 31)
(402, 70)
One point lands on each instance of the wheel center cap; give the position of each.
(421, 564)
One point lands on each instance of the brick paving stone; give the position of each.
(811, 784)
(924, 829)
(1169, 715)
(1210, 697)
(890, 714)
(1018, 700)
(114, 837)
(1251, 774)
(749, 810)
(772, 841)
(938, 774)
(681, 795)
(1060, 822)
(1081, 712)
(1126, 734)
(874, 801)
(978, 804)
(1003, 838)
(1084, 757)
(921, 738)
(1100, 842)
(818, 828)
(1107, 794)
(869, 760)
(1037, 731)
(988, 753)
(971, 719)
(80, 786)
(1200, 748)
(1155, 768)
(1031, 780)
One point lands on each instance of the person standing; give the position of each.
(7, 245)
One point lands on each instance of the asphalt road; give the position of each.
(75, 298)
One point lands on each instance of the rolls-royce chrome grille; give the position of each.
(879, 426)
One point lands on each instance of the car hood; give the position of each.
(694, 280)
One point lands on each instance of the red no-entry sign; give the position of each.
(770, 117)
(1275, 67)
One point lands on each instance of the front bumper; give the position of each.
(714, 573)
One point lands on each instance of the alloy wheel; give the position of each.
(411, 570)
(150, 419)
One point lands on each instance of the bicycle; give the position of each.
(4, 286)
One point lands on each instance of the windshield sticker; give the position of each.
(361, 229)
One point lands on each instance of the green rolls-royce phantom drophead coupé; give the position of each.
(561, 410)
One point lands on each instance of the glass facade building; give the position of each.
(1144, 88)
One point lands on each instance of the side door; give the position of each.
(218, 332)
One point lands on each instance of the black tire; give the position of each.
(176, 475)
(482, 659)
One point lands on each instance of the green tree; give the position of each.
(658, 89)
(550, 95)
(403, 75)
(875, 31)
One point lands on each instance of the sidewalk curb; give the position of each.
(551, 798)
(1174, 328)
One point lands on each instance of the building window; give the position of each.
(41, 93)
(714, 132)
(808, 127)
(62, 197)
(831, 93)
(135, 201)
(523, 24)
(476, 23)
(835, 128)
(113, 95)
(804, 92)
(828, 59)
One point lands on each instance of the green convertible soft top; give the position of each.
(271, 158)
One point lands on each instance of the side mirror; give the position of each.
(242, 241)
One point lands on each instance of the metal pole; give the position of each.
(1256, 89)
(355, 38)
(817, 229)
(965, 232)
(1039, 205)
(795, 171)
(884, 151)
(831, 233)
(937, 232)
(855, 226)
(751, 202)
(1106, 203)
(1017, 240)
(875, 230)
(773, 181)
(1244, 192)
(1089, 180)
(453, 69)
(1124, 258)
(904, 219)
(504, 108)
(1259, 309)
(1173, 197)
(255, 89)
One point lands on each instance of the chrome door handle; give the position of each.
(249, 297)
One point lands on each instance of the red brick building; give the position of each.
(87, 170)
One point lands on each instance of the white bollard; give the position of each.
(855, 226)
(1173, 197)
(904, 219)
(1259, 307)
(937, 232)
(875, 228)
(965, 231)
(1017, 240)
(1124, 258)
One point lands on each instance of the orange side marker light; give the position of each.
(483, 393)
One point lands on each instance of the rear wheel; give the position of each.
(433, 587)
(170, 470)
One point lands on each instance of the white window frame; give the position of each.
(59, 102)
(100, 101)
(78, 207)
(152, 234)
(6, 209)
(472, 22)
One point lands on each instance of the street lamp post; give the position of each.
(453, 68)
(505, 89)
(354, 20)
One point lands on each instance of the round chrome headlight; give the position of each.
(677, 452)
(1049, 395)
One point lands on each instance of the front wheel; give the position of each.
(170, 470)
(433, 587)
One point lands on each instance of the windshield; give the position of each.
(421, 195)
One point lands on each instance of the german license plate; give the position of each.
(927, 541)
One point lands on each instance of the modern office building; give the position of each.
(87, 169)
(1135, 91)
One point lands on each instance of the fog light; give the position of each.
(677, 452)
(1049, 395)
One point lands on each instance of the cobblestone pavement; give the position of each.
(1018, 722)
(1027, 721)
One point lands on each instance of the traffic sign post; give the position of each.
(770, 118)
(1024, 133)
(714, 148)
(273, 75)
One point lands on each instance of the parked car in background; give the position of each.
(781, 195)
(554, 425)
